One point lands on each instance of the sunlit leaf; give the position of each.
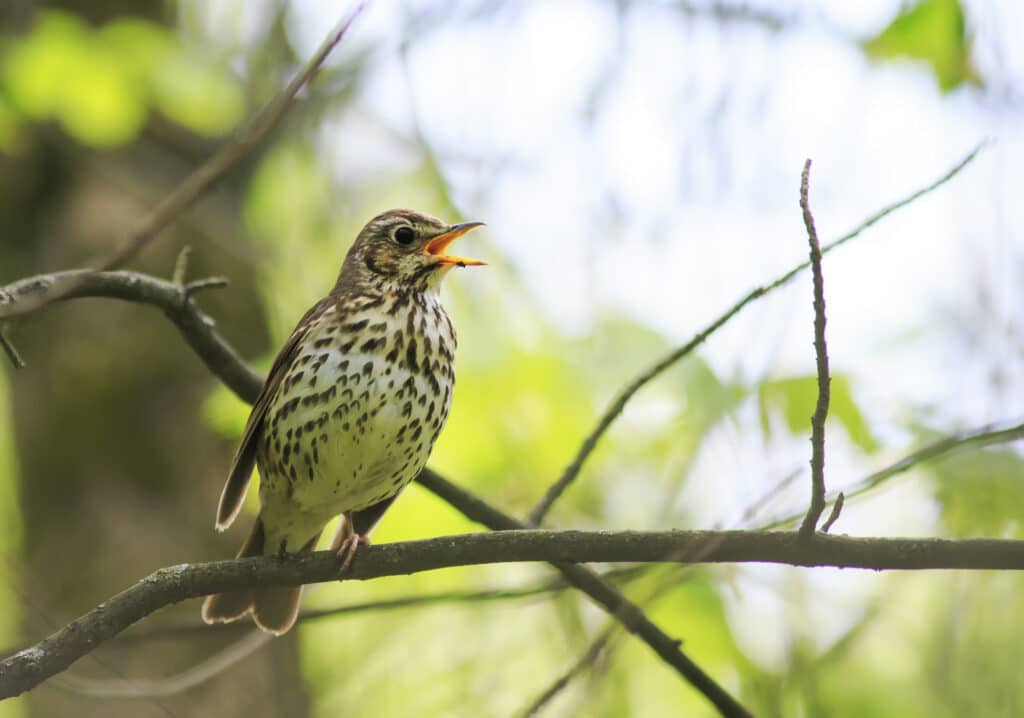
(796, 398)
(932, 31)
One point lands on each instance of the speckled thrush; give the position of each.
(351, 408)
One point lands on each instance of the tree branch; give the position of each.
(619, 403)
(810, 522)
(196, 328)
(29, 667)
(204, 177)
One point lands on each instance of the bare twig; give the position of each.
(619, 403)
(11, 350)
(29, 667)
(837, 508)
(197, 184)
(195, 326)
(810, 522)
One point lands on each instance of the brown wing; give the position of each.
(233, 495)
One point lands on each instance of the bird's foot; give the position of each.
(347, 551)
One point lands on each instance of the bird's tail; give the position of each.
(274, 608)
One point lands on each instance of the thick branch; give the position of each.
(181, 582)
(27, 668)
(619, 403)
(810, 522)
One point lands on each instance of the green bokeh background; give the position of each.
(114, 441)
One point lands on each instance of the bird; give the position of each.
(350, 409)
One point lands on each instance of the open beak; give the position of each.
(438, 244)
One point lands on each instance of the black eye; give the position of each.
(404, 235)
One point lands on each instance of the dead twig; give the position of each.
(810, 522)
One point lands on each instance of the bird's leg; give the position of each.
(346, 541)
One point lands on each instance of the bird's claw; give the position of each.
(347, 551)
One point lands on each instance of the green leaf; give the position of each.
(932, 31)
(796, 398)
(982, 493)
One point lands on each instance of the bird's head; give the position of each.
(401, 250)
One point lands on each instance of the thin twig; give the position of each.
(11, 350)
(619, 403)
(196, 328)
(810, 522)
(203, 178)
(837, 508)
(940, 449)
(180, 272)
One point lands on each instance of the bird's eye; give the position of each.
(404, 235)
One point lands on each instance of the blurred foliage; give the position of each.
(933, 32)
(796, 397)
(982, 493)
(102, 83)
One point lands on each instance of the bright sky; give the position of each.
(677, 191)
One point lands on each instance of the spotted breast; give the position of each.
(357, 413)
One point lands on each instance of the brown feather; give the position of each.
(227, 607)
(235, 487)
(275, 608)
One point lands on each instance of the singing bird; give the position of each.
(351, 408)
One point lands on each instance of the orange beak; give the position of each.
(438, 244)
